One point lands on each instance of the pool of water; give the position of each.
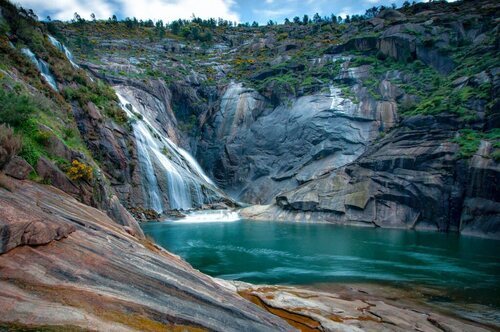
(300, 253)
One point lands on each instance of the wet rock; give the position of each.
(18, 168)
(143, 214)
(174, 214)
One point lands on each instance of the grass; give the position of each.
(469, 141)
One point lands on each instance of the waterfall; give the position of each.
(187, 185)
(63, 49)
(42, 66)
(340, 103)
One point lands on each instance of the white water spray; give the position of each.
(65, 50)
(42, 66)
(209, 216)
(185, 180)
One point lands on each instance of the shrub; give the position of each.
(16, 109)
(30, 152)
(10, 144)
(80, 171)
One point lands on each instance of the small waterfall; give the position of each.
(187, 185)
(42, 66)
(65, 50)
(339, 102)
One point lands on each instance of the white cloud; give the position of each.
(166, 10)
(173, 9)
(273, 13)
(65, 9)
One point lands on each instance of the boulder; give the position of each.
(391, 14)
(51, 174)
(21, 225)
(18, 168)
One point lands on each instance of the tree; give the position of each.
(92, 16)
(76, 17)
(296, 20)
(305, 19)
(175, 26)
(317, 18)
(255, 24)
(114, 18)
(333, 18)
(287, 21)
(406, 4)
(49, 19)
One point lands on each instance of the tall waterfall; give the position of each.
(163, 162)
(42, 66)
(65, 50)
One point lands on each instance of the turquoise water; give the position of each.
(299, 253)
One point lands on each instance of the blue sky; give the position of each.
(235, 10)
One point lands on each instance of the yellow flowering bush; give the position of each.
(80, 171)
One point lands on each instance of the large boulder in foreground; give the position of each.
(101, 278)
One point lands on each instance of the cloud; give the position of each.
(173, 9)
(65, 9)
(273, 13)
(166, 10)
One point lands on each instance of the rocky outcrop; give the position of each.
(18, 168)
(99, 277)
(410, 179)
(481, 210)
(19, 227)
(352, 309)
(255, 151)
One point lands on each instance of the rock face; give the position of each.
(308, 118)
(255, 151)
(409, 179)
(99, 277)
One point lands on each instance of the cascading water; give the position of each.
(187, 185)
(210, 216)
(65, 50)
(42, 66)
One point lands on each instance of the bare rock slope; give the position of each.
(81, 270)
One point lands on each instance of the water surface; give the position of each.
(298, 253)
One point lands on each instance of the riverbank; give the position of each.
(357, 307)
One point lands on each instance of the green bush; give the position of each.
(469, 141)
(30, 152)
(15, 109)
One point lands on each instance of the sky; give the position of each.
(234, 10)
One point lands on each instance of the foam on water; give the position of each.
(210, 216)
